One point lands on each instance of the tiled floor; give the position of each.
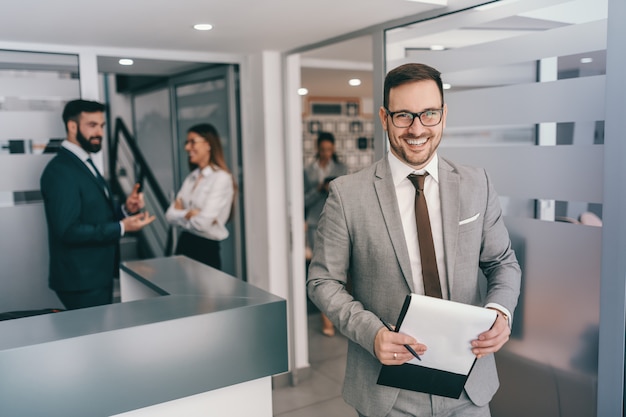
(319, 395)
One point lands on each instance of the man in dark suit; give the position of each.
(84, 223)
(368, 231)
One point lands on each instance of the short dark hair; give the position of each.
(74, 108)
(325, 136)
(409, 73)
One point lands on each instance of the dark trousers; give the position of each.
(73, 300)
(200, 249)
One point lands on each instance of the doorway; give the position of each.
(159, 106)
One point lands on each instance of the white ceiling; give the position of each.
(240, 26)
(248, 26)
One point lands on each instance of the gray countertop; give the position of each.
(207, 330)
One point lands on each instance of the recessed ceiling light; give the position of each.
(587, 60)
(354, 82)
(203, 26)
(303, 91)
(446, 86)
(126, 61)
(437, 47)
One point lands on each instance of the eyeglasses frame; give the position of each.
(193, 142)
(417, 116)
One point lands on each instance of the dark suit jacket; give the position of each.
(360, 233)
(83, 226)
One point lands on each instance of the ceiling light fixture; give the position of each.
(447, 86)
(126, 61)
(354, 82)
(203, 26)
(437, 47)
(587, 60)
(302, 91)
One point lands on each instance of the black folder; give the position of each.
(431, 377)
(422, 379)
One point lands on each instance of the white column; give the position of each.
(90, 90)
(299, 349)
(272, 175)
(264, 173)
(89, 85)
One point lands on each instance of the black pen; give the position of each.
(409, 348)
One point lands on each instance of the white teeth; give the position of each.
(416, 141)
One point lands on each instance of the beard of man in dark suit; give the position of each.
(91, 145)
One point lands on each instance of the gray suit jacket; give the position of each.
(360, 235)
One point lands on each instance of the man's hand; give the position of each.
(178, 204)
(389, 347)
(137, 221)
(134, 202)
(493, 339)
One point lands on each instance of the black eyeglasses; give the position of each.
(404, 119)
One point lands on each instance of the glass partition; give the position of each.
(525, 90)
(520, 74)
(211, 97)
(34, 88)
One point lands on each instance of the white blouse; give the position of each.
(212, 195)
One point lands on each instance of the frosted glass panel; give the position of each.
(154, 135)
(578, 99)
(526, 100)
(21, 172)
(24, 283)
(34, 88)
(568, 173)
(210, 100)
(203, 102)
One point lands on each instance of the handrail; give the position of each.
(158, 239)
(144, 171)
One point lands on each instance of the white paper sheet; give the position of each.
(447, 329)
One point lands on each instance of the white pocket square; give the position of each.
(469, 220)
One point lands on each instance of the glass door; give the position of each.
(210, 96)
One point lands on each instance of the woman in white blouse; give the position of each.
(203, 204)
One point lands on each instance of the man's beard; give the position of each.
(86, 143)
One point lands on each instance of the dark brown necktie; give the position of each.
(432, 286)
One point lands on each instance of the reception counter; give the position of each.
(185, 337)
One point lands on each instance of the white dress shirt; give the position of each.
(405, 192)
(212, 194)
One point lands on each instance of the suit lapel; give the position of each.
(385, 191)
(81, 165)
(449, 187)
